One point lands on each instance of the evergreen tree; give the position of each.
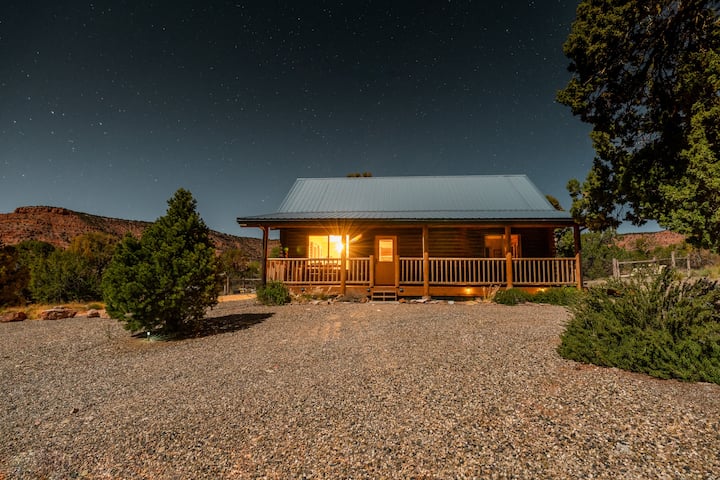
(646, 76)
(167, 279)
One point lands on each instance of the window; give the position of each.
(495, 244)
(385, 249)
(326, 246)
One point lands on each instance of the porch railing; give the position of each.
(544, 271)
(318, 271)
(441, 271)
(453, 271)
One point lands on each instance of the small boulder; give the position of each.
(13, 317)
(93, 313)
(57, 313)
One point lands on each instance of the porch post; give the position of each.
(266, 234)
(508, 242)
(343, 265)
(576, 238)
(578, 256)
(397, 271)
(578, 271)
(372, 271)
(426, 261)
(509, 270)
(507, 246)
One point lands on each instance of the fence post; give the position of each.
(672, 259)
(616, 268)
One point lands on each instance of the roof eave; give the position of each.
(305, 222)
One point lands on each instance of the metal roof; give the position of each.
(472, 197)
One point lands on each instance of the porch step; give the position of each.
(384, 296)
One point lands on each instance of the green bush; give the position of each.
(652, 324)
(274, 293)
(553, 296)
(558, 296)
(512, 296)
(64, 276)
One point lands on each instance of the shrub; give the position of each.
(651, 324)
(64, 276)
(558, 296)
(512, 296)
(274, 293)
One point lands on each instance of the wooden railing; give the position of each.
(453, 271)
(358, 271)
(411, 271)
(544, 271)
(318, 271)
(441, 271)
(467, 271)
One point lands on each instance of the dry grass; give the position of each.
(33, 310)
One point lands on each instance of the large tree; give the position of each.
(167, 279)
(646, 76)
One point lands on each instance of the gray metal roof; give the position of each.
(473, 197)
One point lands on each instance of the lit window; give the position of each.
(325, 246)
(385, 249)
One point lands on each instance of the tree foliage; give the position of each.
(74, 274)
(13, 276)
(646, 76)
(66, 276)
(167, 279)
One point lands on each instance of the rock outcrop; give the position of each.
(13, 317)
(57, 313)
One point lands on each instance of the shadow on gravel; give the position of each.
(208, 327)
(226, 324)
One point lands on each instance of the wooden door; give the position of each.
(385, 252)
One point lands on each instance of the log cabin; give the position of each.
(417, 236)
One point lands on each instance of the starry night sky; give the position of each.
(108, 107)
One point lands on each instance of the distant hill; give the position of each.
(649, 240)
(58, 226)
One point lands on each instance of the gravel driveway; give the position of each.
(341, 391)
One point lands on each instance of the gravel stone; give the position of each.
(363, 390)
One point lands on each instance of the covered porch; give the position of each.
(420, 260)
(426, 277)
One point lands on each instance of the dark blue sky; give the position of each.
(108, 107)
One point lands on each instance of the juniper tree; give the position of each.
(167, 279)
(646, 76)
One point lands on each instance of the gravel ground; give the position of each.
(341, 391)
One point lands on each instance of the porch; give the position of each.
(424, 276)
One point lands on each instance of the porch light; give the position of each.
(336, 240)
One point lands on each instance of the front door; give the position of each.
(385, 251)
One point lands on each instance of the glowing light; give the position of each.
(336, 240)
